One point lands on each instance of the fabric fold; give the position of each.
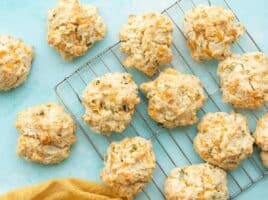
(63, 189)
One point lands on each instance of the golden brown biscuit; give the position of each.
(264, 158)
(46, 133)
(74, 28)
(261, 133)
(261, 138)
(210, 30)
(223, 139)
(244, 80)
(146, 40)
(197, 182)
(15, 62)
(129, 166)
(174, 98)
(110, 102)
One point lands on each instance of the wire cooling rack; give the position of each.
(172, 147)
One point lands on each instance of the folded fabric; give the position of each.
(63, 189)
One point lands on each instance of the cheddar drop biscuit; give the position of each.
(73, 28)
(261, 138)
(223, 139)
(174, 98)
(46, 133)
(15, 62)
(129, 166)
(244, 80)
(146, 40)
(110, 102)
(209, 31)
(196, 182)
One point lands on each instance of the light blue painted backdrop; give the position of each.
(27, 19)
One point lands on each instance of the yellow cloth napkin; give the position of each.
(62, 189)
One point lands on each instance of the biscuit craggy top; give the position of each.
(196, 182)
(15, 62)
(244, 80)
(46, 133)
(174, 98)
(129, 165)
(146, 40)
(261, 133)
(110, 101)
(209, 31)
(73, 28)
(223, 139)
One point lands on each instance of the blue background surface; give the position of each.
(27, 19)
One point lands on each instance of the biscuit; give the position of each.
(129, 166)
(209, 31)
(174, 98)
(223, 139)
(264, 158)
(244, 80)
(146, 40)
(196, 182)
(74, 28)
(261, 138)
(46, 133)
(261, 133)
(110, 102)
(15, 62)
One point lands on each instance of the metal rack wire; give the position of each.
(172, 147)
